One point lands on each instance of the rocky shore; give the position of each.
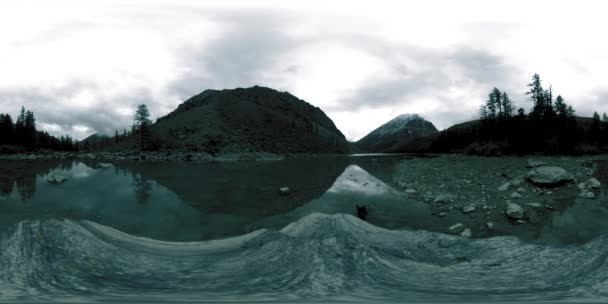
(485, 196)
(147, 156)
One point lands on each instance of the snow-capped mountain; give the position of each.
(399, 130)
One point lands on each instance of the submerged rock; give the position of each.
(104, 166)
(284, 191)
(548, 176)
(514, 211)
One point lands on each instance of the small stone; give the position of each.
(490, 225)
(456, 227)
(521, 189)
(284, 191)
(410, 191)
(468, 208)
(515, 195)
(443, 198)
(589, 195)
(466, 233)
(534, 205)
(504, 187)
(520, 222)
(441, 214)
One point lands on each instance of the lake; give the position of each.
(224, 231)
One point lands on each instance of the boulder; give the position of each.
(515, 195)
(514, 211)
(549, 176)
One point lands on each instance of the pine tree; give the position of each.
(595, 127)
(30, 129)
(491, 106)
(561, 109)
(483, 112)
(507, 105)
(605, 117)
(142, 124)
(570, 112)
(496, 98)
(537, 93)
(7, 129)
(521, 113)
(20, 128)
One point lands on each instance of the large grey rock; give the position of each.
(549, 176)
(514, 211)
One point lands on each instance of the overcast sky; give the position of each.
(83, 66)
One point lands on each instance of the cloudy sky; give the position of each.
(83, 66)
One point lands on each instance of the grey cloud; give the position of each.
(238, 58)
(101, 116)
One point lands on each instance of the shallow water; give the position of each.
(221, 232)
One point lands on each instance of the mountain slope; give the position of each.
(255, 119)
(399, 131)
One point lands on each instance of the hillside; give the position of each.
(255, 119)
(516, 136)
(399, 131)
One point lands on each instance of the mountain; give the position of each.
(576, 136)
(255, 119)
(399, 131)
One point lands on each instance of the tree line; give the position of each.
(23, 133)
(551, 126)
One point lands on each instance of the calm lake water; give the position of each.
(222, 231)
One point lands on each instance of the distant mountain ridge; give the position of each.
(398, 131)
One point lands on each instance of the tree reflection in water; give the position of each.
(142, 187)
